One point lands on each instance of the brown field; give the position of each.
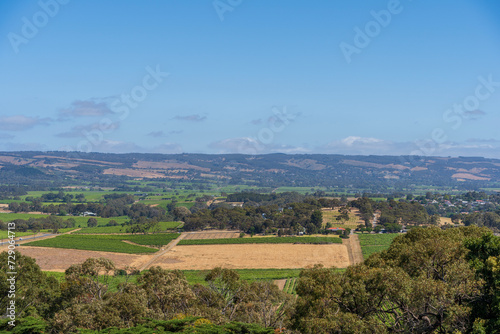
(469, 176)
(168, 164)
(133, 173)
(58, 259)
(203, 257)
(211, 235)
(76, 159)
(248, 256)
(330, 215)
(444, 220)
(14, 160)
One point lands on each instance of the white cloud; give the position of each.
(116, 146)
(85, 108)
(21, 122)
(354, 140)
(354, 145)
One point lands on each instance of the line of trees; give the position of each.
(293, 219)
(114, 205)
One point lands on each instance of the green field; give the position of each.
(7, 217)
(4, 234)
(373, 243)
(291, 285)
(162, 227)
(263, 240)
(108, 243)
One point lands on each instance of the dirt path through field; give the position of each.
(354, 249)
(171, 245)
(136, 244)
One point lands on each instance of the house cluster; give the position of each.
(446, 204)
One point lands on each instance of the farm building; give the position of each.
(334, 229)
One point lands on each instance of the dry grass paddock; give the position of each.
(254, 256)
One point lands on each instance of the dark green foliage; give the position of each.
(187, 325)
(423, 283)
(27, 325)
(485, 257)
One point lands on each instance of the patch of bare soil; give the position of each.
(354, 249)
(133, 173)
(135, 244)
(59, 259)
(280, 283)
(14, 160)
(468, 176)
(254, 256)
(168, 165)
(77, 159)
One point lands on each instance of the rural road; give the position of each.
(171, 245)
(41, 237)
(353, 249)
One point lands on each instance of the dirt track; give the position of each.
(354, 249)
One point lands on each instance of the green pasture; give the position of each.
(373, 243)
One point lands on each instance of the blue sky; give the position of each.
(240, 76)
